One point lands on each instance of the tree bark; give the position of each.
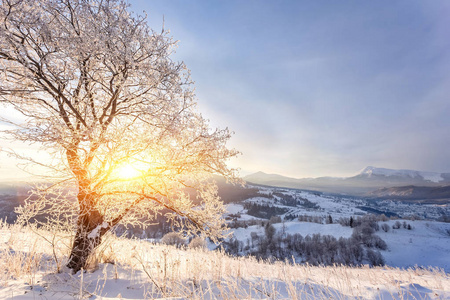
(83, 246)
(90, 229)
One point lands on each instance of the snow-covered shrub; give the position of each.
(383, 218)
(368, 220)
(173, 239)
(397, 225)
(344, 221)
(269, 230)
(198, 243)
(329, 219)
(378, 242)
(361, 233)
(375, 258)
(385, 227)
(233, 247)
(275, 220)
(364, 234)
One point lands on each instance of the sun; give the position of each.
(128, 172)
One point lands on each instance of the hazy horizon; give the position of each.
(31, 178)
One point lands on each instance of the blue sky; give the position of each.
(316, 88)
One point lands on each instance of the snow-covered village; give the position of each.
(224, 149)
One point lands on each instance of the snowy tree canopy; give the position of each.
(99, 91)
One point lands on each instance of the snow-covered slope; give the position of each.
(142, 270)
(427, 244)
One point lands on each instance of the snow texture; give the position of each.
(96, 231)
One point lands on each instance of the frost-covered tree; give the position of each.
(100, 93)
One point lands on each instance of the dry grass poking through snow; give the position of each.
(134, 269)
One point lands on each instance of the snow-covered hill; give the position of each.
(137, 269)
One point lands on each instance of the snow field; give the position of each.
(140, 270)
(427, 244)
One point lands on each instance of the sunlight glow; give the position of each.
(128, 172)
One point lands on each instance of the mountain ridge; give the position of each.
(428, 176)
(367, 180)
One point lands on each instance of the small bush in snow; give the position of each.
(385, 227)
(269, 230)
(397, 225)
(375, 258)
(344, 221)
(198, 242)
(275, 220)
(379, 243)
(329, 219)
(174, 239)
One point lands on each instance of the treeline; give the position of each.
(374, 219)
(289, 200)
(263, 211)
(362, 247)
(286, 199)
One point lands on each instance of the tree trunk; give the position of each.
(82, 248)
(90, 229)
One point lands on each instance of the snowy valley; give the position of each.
(413, 233)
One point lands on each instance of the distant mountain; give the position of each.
(323, 184)
(273, 180)
(403, 175)
(368, 180)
